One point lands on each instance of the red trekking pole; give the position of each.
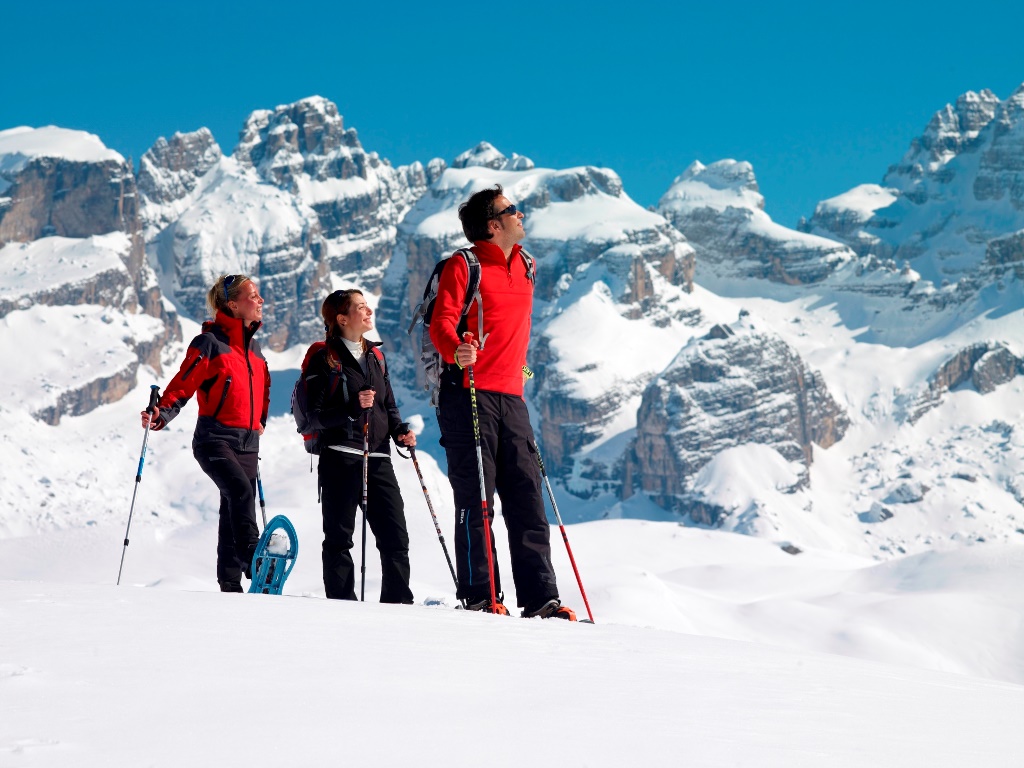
(561, 527)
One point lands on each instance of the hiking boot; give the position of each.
(484, 604)
(246, 563)
(541, 610)
(230, 586)
(552, 609)
(564, 612)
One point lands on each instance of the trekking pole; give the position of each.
(483, 487)
(263, 503)
(154, 396)
(440, 536)
(366, 475)
(561, 527)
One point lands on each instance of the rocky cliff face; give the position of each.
(721, 211)
(359, 198)
(169, 173)
(736, 385)
(70, 234)
(234, 223)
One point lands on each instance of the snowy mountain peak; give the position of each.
(952, 208)
(307, 137)
(951, 130)
(19, 146)
(485, 155)
(170, 170)
(723, 184)
(722, 175)
(721, 211)
(195, 151)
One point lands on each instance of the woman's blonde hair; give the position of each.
(224, 290)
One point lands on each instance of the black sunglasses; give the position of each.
(227, 284)
(511, 211)
(228, 281)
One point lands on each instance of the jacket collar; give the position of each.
(238, 335)
(488, 251)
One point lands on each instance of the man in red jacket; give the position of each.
(497, 353)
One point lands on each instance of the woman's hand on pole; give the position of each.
(366, 398)
(150, 418)
(408, 439)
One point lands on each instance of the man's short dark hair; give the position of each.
(476, 212)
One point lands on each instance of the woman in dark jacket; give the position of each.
(225, 366)
(348, 386)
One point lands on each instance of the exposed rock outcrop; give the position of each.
(984, 366)
(734, 386)
(358, 198)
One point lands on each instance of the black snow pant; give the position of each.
(341, 491)
(511, 469)
(234, 473)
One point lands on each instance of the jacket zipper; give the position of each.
(199, 359)
(223, 396)
(252, 397)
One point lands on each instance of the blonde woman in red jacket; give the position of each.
(225, 367)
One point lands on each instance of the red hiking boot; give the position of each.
(551, 609)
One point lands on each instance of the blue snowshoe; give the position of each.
(275, 557)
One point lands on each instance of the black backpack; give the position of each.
(311, 438)
(430, 363)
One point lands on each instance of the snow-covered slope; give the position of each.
(171, 678)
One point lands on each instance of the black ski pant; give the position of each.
(234, 473)
(341, 492)
(511, 469)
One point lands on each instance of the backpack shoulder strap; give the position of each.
(473, 283)
(473, 290)
(336, 373)
(531, 265)
(379, 354)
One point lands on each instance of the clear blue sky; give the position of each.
(818, 96)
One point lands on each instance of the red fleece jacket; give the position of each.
(507, 292)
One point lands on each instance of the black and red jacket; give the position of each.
(225, 366)
(507, 291)
(333, 381)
